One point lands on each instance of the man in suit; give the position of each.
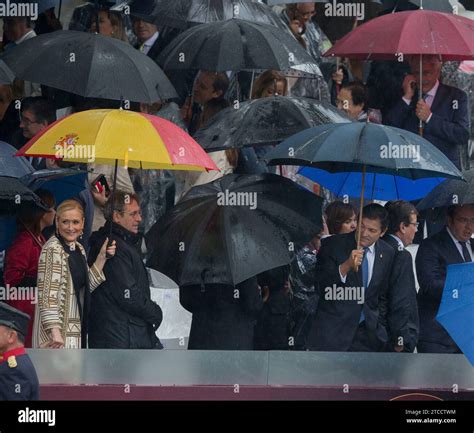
(37, 113)
(453, 244)
(18, 379)
(443, 109)
(402, 314)
(353, 285)
(153, 40)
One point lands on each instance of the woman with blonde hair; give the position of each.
(65, 283)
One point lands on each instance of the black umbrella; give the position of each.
(13, 166)
(15, 196)
(232, 229)
(90, 65)
(6, 74)
(265, 121)
(236, 45)
(178, 13)
(450, 192)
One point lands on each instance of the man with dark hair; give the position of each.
(453, 244)
(402, 315)
(123, 316)
(18, 379)
(352, 100)
(353, 285)
(208, 86)
(36, 114)
(18, 30)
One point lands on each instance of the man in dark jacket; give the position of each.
(353, 287)
(402, 315)
(442, 109)
(123, 316)
(18, 379)
(452, 245)
(224, 317)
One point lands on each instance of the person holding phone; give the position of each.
(442, 109)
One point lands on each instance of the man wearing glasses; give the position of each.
(123, 316)
(36, 114)
(402, 314)
(442, 109)
(453, 244)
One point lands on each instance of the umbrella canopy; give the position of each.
(409, 33)
(14, 195)
(179, 13)
(133, 139)
(232, 229)
(236, 45)
(351, 147)
(265, 121)
(450, 192)
(10, 165)
(90, 65)
(456, 307)
(377, 186)
(6, 74)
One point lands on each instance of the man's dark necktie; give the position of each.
(465, 252)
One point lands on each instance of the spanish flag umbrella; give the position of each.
(122, 137)
(119, 137)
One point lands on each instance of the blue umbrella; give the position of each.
(456, 311)
(377, 186)
(364, 147)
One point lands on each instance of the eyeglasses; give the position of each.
(133, 214)
(415, 224)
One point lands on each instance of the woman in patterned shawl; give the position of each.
(65, 283)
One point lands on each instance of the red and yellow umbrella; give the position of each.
(132, 139)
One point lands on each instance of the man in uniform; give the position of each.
(18, 379)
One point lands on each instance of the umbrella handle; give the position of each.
(112, 197)
(361, 211)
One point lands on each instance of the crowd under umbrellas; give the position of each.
(240, 231)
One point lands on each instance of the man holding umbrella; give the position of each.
(451, 245)
(353, 284)
(443, 109)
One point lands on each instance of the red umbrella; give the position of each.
(409, 33)
(420, 32)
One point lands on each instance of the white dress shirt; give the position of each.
(146, 46)
(458, 244)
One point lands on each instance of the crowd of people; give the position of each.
(87, 257)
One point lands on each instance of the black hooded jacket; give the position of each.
(123, 316)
